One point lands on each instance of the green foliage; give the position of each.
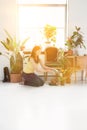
(11, 43)
(76, 39)
(13, 48)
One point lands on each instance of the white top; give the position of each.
(31, 67)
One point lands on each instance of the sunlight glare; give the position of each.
(32, 25)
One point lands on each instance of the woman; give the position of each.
(33, 66)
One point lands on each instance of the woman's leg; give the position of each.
(32, 80)
(38, 80)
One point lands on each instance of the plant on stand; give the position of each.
(13, 52)
(75, 40)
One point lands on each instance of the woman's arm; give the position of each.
(46, 68)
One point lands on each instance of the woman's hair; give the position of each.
(33, 53)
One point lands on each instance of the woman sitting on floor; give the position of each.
(33, 66)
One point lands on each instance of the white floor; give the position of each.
(43, 108)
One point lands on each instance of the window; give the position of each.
(33, 16)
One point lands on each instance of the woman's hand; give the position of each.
(49, 69)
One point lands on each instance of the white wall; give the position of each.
(77, 17)
(8, 22)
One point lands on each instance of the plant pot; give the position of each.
(69, 52)
(15, 78)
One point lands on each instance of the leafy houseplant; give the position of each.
(13, 49)
(64, 69)
(75, 40)
(65, 66)
(50, 33)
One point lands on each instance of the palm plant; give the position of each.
(13, 48)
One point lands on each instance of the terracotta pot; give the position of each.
(15, 78)
(69, 52)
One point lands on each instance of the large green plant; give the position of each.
(76, 39)
(13, 48)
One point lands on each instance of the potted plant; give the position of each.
(75, 40)
(50, 33)
(13, 49)
(65, 66)
(63, 71)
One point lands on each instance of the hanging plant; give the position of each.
(50, 33)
